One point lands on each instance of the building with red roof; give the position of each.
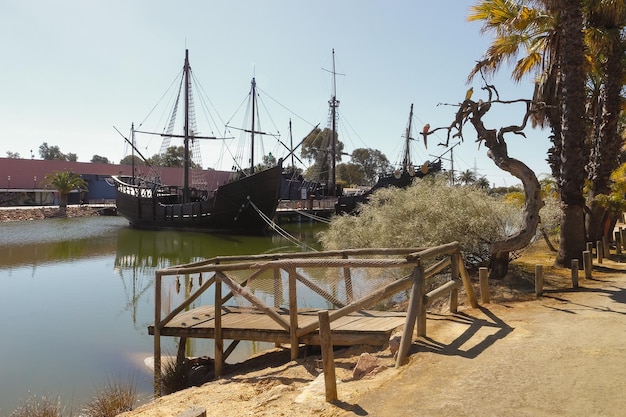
(21, 180)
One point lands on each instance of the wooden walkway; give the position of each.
(243, 323)
(276, 316)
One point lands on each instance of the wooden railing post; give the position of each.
(347, 276)
(278, 293)
(606, 248)
(277, 288)
(182, 351)
(538, 280)
(219, 339)
(454, 293)
(574, 273)
(328, 358)
(416, 301)
(599, 251)
(587, 264)
(467, 282)
(420, 283)
(293, 315)
(483, 279)
(157, 335)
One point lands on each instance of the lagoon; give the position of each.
(76, 297)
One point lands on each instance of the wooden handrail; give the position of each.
(344, 253)
(425, 263)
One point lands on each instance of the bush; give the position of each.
(550, 215)
(39, 407)
(428, 213)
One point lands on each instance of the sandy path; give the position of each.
(561, 355)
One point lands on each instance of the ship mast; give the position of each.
(253, 92)
(334, 103)
(406, 160)
(293, 164)
(186, 131)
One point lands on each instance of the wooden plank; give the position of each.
(373, 324)
(349, 339)
(245, 323)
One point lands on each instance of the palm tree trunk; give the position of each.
(605, 152)
(62, 204)
(573, 159)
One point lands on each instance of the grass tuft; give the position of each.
(39, 407)
(114, 399)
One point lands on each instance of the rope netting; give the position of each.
(319, 283)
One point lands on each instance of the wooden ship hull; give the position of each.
(349, 204)
(242, 206)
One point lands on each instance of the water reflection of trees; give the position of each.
(39, 253)
(139, 253)
(148, 250)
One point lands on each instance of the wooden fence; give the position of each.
(424, 263)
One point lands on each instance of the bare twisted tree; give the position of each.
(493, 139)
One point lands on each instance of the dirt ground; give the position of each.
(562, 354)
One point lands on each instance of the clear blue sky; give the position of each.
(71, 70)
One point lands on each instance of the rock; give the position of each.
(314, 391)
(41, 213)
(366, 364)
(272, 394)
(194, 412)
(199, 370)
(394, 343)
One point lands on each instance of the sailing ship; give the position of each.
(401, 177)
(245, 204)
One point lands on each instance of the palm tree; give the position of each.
(571, 176)
(64, 182)
(467, 177)
(614, 202)
(483, 183)
(604, 35)
(551, 36)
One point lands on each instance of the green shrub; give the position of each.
(430, 212)
(550, 215)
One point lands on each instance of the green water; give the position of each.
(76, 297)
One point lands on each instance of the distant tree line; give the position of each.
(173, 157)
